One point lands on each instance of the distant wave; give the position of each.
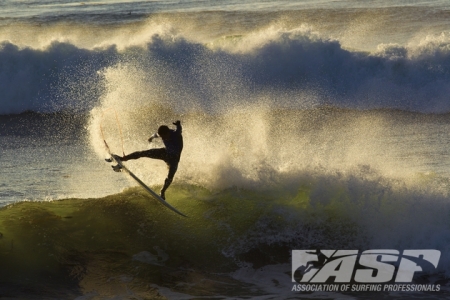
(34, 79)
(294, 68)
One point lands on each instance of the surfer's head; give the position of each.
(163, 131)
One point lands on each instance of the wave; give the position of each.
(294, 68)
(292, 141)
(32, 79)
(91, 245)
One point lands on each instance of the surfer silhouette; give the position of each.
(173, 142)
(305, 268)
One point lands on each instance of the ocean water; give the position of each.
(307, 125)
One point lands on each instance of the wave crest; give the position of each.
(293, 68)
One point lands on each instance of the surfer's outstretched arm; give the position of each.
(154, 136)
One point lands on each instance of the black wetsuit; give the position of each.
(170, 154)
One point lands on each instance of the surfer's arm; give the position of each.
(179, 128)
(155, 135)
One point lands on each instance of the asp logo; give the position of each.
(370, 266)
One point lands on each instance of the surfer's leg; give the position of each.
(173, 166)
(158, 153)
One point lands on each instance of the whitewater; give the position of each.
(307, 125)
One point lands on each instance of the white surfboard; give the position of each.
(149, 190)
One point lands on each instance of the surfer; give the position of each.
(173, 142)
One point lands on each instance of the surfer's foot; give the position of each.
(121, 158)
(117, 157)
(163, 194)
(108, 159)
(117, 168)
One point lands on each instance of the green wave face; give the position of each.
(131, 242)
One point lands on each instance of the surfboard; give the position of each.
(149, 190)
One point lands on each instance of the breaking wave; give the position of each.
(278, 67)
(292, 141)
